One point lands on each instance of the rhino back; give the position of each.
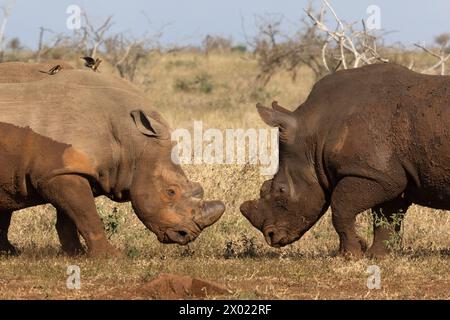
(379, 117)
(82, 108)
(16, 72)
(374, 92)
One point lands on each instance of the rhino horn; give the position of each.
(249, 209)
(209, 213)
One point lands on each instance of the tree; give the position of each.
(6, 11)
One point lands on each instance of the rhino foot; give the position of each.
(363, 244)
(354, 250)
(74, 251)
(377, 252)
(105, 252)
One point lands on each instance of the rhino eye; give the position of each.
(282, 189)
(170, 192)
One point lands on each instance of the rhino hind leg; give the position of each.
(68, 234)
(352, 196)
(387, 220)
(72, 195)
(6, 248)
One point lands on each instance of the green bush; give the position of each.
(201, 83)
(239, 48)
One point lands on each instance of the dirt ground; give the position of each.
(234, 257)
(405, 277)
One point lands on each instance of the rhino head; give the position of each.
(162, 197)
(293, 201)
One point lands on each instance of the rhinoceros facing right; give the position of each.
(107, 141)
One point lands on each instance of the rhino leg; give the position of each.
(72, 195)
(68, 234)
(387, 219)
(6, 248)
(352, 196)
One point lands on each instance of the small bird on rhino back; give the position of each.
(91, 63)
(54, 70)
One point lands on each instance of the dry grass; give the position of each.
(230, 252)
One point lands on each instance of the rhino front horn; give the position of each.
(249, 209)
(209, 213)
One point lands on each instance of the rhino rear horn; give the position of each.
(151, 126)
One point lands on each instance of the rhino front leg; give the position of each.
(6, 248)
(352, 196)
(72, 195)
(68, 234)
(387, 219)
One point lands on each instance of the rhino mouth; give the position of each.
(181, 226)
(276, 235)
(279, 237)
(182, 233)
(180, 236)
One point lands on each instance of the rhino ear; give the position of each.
(151, 126)
(285, 121)
(277, 107)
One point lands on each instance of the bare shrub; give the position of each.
(321, 48)
(6, 12)
(216, 43)
(121, 50)
(325, 48)
(277, 51)
(93, 37)
(124, 54)
(352, 47)
(14, 45)
(441, 53)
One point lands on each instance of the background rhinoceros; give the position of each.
(109, 122)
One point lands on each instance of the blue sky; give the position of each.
(188, 21)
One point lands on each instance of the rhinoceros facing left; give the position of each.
(375, 137)
(102, 139)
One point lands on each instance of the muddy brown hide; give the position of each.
(376, 137)
(28, 161)
(111, 126)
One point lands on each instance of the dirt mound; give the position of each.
(172, 286)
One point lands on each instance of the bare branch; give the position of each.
(441, 56)
(324, 58)
(96, 35)
(7, 8)
(359, 44)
